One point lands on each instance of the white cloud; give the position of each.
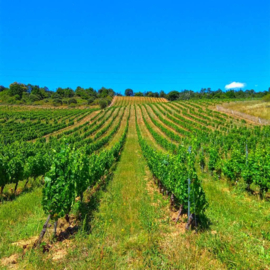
(234, 85)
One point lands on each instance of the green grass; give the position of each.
(21, 219)
(239, 227)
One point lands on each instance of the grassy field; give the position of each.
(254, 107)
(124, 221)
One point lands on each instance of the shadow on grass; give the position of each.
(84, 210)
(204, 223)
(90, 206)
(9, 195)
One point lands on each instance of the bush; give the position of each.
(90, 100)
(102, 103)
(11, 100)
(17, 97)
(72, 101)
(266, 98)
(57, 101)
(19, 102)
(109, 100)
(34, 98)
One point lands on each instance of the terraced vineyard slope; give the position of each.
(125, 101)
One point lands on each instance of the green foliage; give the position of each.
(129, 92)
(102, 103)
(4, 170)
(57, 102)
(90, 100)
(33, 94)
(266, 98)
(173, 95)
(72, 101)
(59, 189)
(33, 97)
(17, 89)
(173, 172)
(72, 171)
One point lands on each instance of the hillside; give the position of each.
(115, 185)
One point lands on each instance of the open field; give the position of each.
(256, 108)
(116, 180)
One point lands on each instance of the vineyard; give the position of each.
(142, 184)
(126, 101)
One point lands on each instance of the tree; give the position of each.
(149, 94)
(17, 89)
(162, 94)
(81, 93)
(173, 95)
(2, 88)
(35, 90)
(102, 103)
(111, 93)
(60, 92)
(103, 92)
(230, 94)
(138, 94)
(68, 93)
(91, 92)
(129, 92)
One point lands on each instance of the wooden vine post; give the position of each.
(45, 226)
(189, 216)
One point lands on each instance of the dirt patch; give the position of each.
(59, 250)
(26, 244)
(59, 254)
(10, 261)
(225, 189)
(150, 185)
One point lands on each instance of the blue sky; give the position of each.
(143, 45)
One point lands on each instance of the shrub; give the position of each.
(266, 98)
(34, 98)
(72, 100)
(57, 101)
(90, 100)
(102, 103)
(17, 97)
(11, 100)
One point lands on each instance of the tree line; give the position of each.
(18, 93)
(204, 93)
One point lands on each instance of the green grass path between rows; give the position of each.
(125, 229)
